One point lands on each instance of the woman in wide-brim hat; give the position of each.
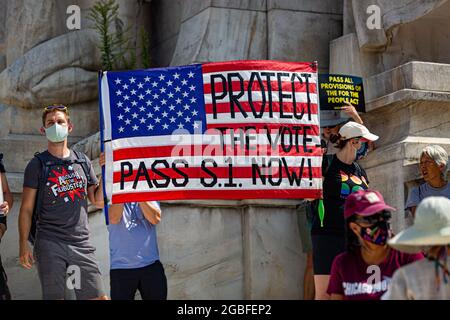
(426, 279)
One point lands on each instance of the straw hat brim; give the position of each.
(412, 239)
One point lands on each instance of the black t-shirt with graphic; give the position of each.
(63, 216)
(340, 180)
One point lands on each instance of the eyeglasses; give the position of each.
(57, 107)
(373, 219)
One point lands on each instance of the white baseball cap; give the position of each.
(353, 130)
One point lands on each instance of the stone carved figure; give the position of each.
(403, 34)
(43, 62)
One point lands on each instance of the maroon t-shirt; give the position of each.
(356, 280)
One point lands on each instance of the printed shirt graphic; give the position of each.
(351, 183)
(63, 216)
(340, 180)
(67, 184)
(351, 277)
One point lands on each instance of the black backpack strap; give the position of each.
(46, 163)
(81, 160)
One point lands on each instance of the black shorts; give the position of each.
(4, 290)
(151, 282)
(325, 249)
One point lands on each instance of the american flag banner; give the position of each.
(227, 130)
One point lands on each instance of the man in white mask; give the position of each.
(53, 214)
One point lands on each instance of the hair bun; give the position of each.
(335, 138)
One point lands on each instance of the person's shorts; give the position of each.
(4, 290)
(150, 281)
(304, 226)
(64, 267)
(325, 249)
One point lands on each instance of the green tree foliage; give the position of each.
(145, 48)
(116, 47)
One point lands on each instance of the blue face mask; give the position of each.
(363, 151)
(57, 133)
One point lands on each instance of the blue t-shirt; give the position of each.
(417, 194)
(132, 242)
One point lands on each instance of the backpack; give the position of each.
(46, 164)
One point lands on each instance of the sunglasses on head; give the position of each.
(377, 217)
(56, 107)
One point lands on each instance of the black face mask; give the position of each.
(377, 234)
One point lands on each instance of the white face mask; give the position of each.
(57, 133)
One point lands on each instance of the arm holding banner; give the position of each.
(350, 110)
(99, 202)
(150, 212)
(115, 212)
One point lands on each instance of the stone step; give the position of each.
(347, 58)
(408, 113)
(15, 120)
(15, 181)
(415, 75)
(19, 149)
(406, 151)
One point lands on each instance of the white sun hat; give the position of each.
(352, 130)
(431, 226)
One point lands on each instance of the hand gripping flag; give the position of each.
(229, 130)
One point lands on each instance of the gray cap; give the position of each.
(330, 118)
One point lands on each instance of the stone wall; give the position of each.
(187, 32)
